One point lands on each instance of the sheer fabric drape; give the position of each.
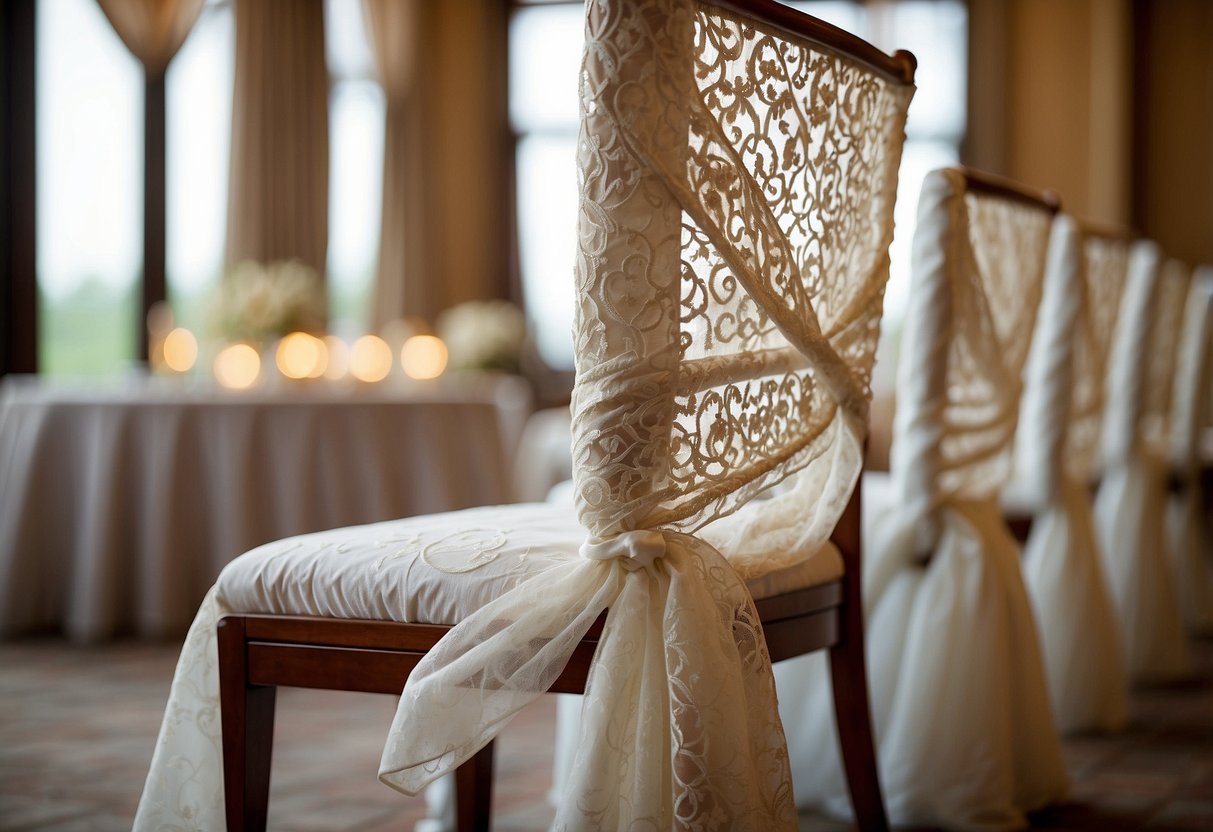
(278, 183)
(442, 238)
(1056, 443)
(1130, 505)
(152, 29)
(736, 211)
(962, 717)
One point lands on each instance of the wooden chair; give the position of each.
(260, 652)
(949, 624)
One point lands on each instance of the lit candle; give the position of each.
(370, 359)
(423, 356)
(180, 350)
(300, 355)
(237, 366)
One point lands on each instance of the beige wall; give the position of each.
(1050, 101)
(1109, 102)
(1174, 176)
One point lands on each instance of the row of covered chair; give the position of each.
(738, 166)
(976, 657)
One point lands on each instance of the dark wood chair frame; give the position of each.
(259, 653)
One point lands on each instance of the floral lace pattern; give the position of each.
(737, 188)
(995, 296)
(734, 222)
(1104, 268)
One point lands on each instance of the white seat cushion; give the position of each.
(435, 569)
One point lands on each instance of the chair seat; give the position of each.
(435, 569)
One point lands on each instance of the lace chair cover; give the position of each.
(961, 711)
(1057, 443)
(1187, 520)
(737, 192)
(1130, 505)
(733, 234)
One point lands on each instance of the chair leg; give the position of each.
(474, 792)
(247, 714)
(853, 716)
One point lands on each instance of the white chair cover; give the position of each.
(1057, 444)
(1130, 505)
(961, 711)
(736, 211)
(1188, 524)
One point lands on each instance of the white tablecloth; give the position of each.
(119, 506)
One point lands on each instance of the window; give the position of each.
(90, 198)
(90, 178)
(545, 54)
(356, 122)
(198, 100)
(545, 49)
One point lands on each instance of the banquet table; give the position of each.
(120, 504)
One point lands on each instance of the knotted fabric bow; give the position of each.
(681, 660)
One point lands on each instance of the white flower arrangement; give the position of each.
(260, 302)
(484, 335)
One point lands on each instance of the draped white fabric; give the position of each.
(1188, 525)
(964, 731)
(1059, 427)
(736, 211)
(1130, 505)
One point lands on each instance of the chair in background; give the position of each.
(1188, 519)
(964, 731)
(1130, 505)
(1057, 444)
(738, 172)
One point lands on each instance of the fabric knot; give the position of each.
(639, 548)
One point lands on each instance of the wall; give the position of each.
(1109, 102)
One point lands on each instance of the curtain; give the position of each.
(152, 29)
(396, 29)
(446, 150)
(279, 176)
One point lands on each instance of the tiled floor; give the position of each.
(77, 726)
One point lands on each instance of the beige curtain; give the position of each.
(446, 150)
(152, 29)
(279, 175)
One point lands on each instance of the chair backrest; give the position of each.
(1063, 402)
(738, 169)
(1127, 363)
(1104, 266)
(979, 265)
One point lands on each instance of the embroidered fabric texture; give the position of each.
(952, 643)
(1062, 408)
(1130, 505)
(736, 211)
(733, 234)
